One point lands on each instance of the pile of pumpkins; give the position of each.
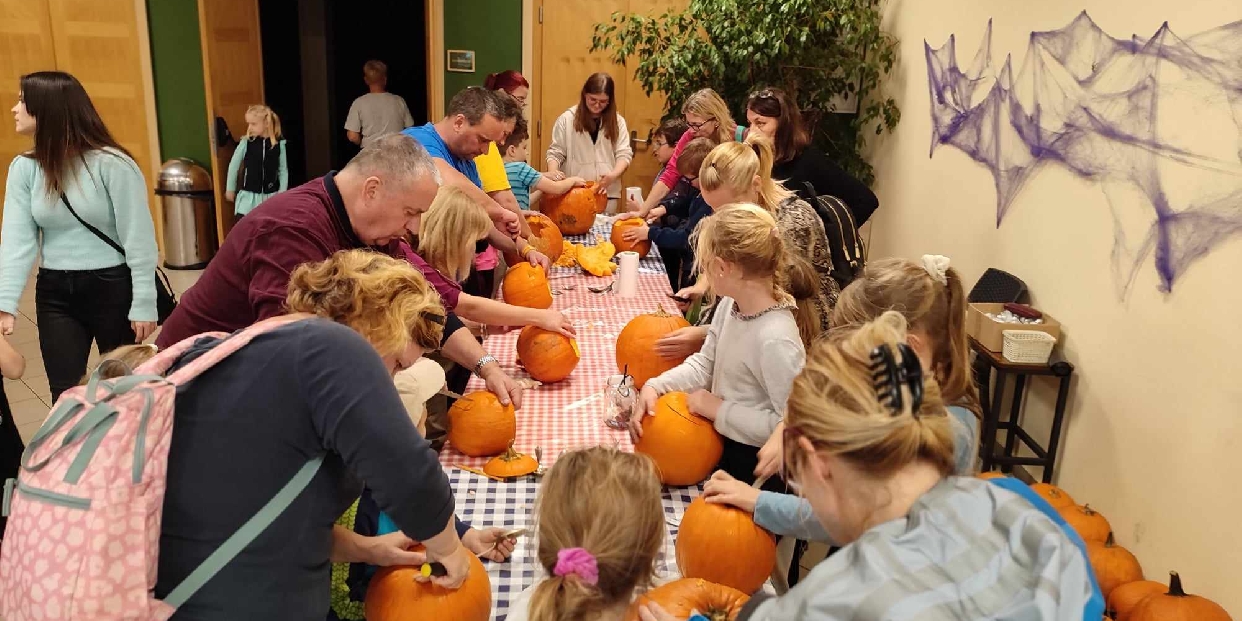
(1128, 596)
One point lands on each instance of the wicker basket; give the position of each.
(1027, 346)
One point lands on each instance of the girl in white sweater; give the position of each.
(741, 377)
(591, 140)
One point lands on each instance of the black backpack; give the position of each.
(844, 243)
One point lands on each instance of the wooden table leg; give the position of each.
(1057, 417)
(1015, 410)
(988, 440)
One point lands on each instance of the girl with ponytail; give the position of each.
(756, 343)
(741, 172)
(869, 445)
(600, 526)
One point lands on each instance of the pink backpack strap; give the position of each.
(229, 344)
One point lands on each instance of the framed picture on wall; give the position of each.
(461, 61)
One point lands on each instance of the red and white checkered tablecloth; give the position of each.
(569, 414)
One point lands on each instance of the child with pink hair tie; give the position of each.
(600, 525)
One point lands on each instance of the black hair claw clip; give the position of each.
(889, 376)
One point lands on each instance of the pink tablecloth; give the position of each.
(564, 416)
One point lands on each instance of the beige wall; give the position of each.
(1154, 431)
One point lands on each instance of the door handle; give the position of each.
(634, 139)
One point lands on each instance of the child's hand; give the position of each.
(772, 453)
(645, 405)
(723, 489)
(7, 322)
(656, 214)
(230, 196)
(636, 234)
(704, 404)
(489, 543)
(392, 549)
(652, 611)
(578, 181)
(554, 175)
(680, 343)
(633, 205)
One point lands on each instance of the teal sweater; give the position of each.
(110, 193)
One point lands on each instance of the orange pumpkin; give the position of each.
(1177, 605)
(1113, 565)
(548, 356)
(479, 426)
(1123, 599)
(544, 236)
(682, 597)
(511, 464)
(1055, 496)
(684, 446)
(574, 211)
(636, 353)
(527, 285)
(620, 227)
(991, 475)
(722, 544)
(394, 595)
(1087, 522)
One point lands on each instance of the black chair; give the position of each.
(997, 287)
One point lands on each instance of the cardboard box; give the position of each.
(989, 332)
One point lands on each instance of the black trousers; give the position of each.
(11, 446)
(74, 309)
(673, 258)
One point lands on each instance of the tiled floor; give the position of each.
(30, 397)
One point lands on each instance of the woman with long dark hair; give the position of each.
(798, 163)
(591, 140)
(77, 174)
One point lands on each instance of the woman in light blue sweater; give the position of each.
(86, 291)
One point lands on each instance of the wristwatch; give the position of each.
(484, 361)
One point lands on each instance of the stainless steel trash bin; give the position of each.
(189, 214)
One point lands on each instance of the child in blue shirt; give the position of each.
(523, 177)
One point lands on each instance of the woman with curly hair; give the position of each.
(320, 385)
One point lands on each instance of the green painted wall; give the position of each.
(492, 28)
(180, 95)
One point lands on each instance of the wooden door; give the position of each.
(563, 62)
(233, 71)
(25, 47)
(105, 45)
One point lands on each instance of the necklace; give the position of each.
(779, 306)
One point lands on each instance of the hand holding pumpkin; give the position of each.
(652, 611)
(723, 489)
(534, 257)
(645, 405)
(601, 186)
(656, 214)
(504, 387)
(704, 404)
(489, 543)
(680, 343)
(392, 549)
(555, 321)
(636, 234)
(578, 181)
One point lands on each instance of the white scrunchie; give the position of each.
(937, 266)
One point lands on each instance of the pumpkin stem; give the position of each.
(510, 454)
(660, 312)
(1111, 543)
(1087, 510)
(1175, 585)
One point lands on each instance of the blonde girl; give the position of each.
(930, 296)
(755, 345)
(453, 228)
(870, 446)
(260, 162)
(707, 116)
(600, 526)
(122, 361)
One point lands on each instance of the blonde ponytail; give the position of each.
(835, 405)
(272, 121)
(771, 193)
(448, 231)
(734, 166)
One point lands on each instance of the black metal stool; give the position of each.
(1045, 458)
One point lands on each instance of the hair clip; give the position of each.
(433, 317)
(888, 376)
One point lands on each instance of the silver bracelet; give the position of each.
(484, 361)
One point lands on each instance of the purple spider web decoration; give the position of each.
(1114, 111)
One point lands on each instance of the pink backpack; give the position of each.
(83, 536)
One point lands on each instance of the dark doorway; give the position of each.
(313, 52)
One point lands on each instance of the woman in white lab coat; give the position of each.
(590, 140)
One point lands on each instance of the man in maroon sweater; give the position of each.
(374, 201)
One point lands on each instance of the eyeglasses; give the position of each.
(658, 143)
(697, 126)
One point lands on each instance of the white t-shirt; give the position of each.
(376, 114)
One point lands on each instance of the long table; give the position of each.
(561, 417)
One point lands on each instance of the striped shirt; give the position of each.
(522, 177)
(967, 550)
